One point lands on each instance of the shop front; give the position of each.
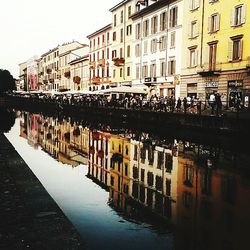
(192, 90)
(235, 93)
(210, 88)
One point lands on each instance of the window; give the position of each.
(103, 38)
(153, 46)
(193, 56)
(145, 71)
(235, 48)
(171, 66)
(145, 46)
(238, 16)
(129, 30)
(163, 43)
(121, 72)
(113, 77)
(137, 50)
(172, 39)
(154, 24)
(213, 23)
(114, 36)
(114, 55)
(162, 68)
(153, 69)
(146, 28)
(121, 35)
(163, 21)
(121, 53)
(114, 20)
(173, 17)
(122, 16)
(128, 51)
(213, 1)
(138, 31)
(194, 4)
(129, 11)
(128, 71)
(137, 74)
(107, 53)
(193, 29)
(212, 55)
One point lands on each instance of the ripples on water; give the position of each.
(125, 189)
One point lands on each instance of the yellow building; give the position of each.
(215, 43)
(122, 42)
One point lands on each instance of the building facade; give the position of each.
(215, 46)
(100, 58)
(122, 43)
(157, 37)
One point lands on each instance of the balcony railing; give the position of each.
(209, 70)
(118, 61)
(92, 64)
(101, 62)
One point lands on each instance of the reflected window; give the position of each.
(160, 160)
(187, 200)
(168, 187)
(135, 153)
(143, 154)
(142, 193)
(149, 197)
(150, 179)
(135, 190)
(206, 181)
(188, 176)
(126, 169)
(158, 183)
(158, 202)
(125, 189)
(150, 155)
(126, 150)
(167, 208)
(142, 175)
(135, 172)
(168, 163)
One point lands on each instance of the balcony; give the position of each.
(209, 70)
(96, 80)
(92, 65)
(101, 62)
(49, 71)
(118, 61)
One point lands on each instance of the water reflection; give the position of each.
(199, 193)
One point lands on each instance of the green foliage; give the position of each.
(7, 81)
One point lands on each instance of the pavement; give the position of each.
(29, 217)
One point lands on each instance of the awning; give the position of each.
(123, 89)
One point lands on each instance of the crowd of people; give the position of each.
(190, 104)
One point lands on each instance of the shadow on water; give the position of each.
(7, 120)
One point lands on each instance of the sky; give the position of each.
(32, 27)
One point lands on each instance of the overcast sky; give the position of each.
(32, 27)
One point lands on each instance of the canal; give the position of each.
(125, 189)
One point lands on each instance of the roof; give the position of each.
(50, 51)
(119, 5)
(150, 8)
(80, 59)
(100, 30)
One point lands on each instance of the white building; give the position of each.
(157, 36)
(65, 57)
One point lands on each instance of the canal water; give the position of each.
(125, 189)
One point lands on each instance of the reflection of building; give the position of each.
(66, 142)
(154, 173)
(99, 159)
(212, 210)
(32, 74)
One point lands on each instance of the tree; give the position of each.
(7, 81)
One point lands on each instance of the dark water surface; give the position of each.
(132, 190)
